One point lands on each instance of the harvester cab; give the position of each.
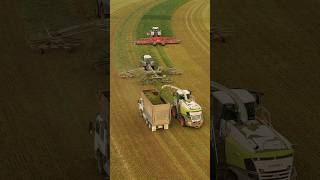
(189, 112)
(154, 32)
(247, 145)
(184, 95)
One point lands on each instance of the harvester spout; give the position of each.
(170, 86)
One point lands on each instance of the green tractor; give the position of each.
(245, 145)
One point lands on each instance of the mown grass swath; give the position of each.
(160, 16)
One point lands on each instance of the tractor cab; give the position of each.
(155, 32)
(147, 62)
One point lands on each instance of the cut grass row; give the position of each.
(160, 16)
(122, 42)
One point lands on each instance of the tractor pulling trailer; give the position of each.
(244, 144)
(158, 107)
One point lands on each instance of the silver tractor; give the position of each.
(154, 32)
(147, 62)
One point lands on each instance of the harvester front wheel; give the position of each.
(174, 112)
(182, 121)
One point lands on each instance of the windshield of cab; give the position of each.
(229, 112)
(195, 117)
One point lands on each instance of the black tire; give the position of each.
(182, 121)
(174, 112)
(230, 176)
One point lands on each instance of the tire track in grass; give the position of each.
(118, 151)
(202, 26)
(188, 156)
(193, 29)
(185, 55)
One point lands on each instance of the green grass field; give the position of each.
(160, 16)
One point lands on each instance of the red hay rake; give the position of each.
(157, 40)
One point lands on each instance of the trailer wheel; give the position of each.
(182, 121)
